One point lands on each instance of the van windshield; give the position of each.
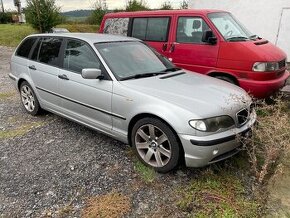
(229, 27)
(133, 60)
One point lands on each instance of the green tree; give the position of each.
(42, 14)
(184, 4)
(100, 9)
(135, 5)
(166, 6)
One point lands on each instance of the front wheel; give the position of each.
(156, 144)
(226, 78)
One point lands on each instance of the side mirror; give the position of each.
(209, 37)
(92, 73)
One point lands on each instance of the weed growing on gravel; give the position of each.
(111, 205)
(19, 131)
(6, 95)
(218, 194)
(269, 146)
(147, 174)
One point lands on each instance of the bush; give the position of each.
(5, 17)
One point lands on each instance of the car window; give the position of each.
(49, 51)
(25, 47)
(35, 53)
(79, 55)
(118, 26)
(151, 29)
(190, 30)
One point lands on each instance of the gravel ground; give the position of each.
(48, 163)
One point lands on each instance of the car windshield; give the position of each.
(229, 27)
(132, 60)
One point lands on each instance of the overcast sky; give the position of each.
(67, 5)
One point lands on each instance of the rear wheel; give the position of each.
(29, 99)
(156, 144)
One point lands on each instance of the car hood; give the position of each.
(202, 95)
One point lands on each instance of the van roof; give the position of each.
(163, 12)
(90, 37)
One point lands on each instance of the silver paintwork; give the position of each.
(109, 106)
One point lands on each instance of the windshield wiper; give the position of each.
(171, 69)
(237, 38)
(142, 75)
(254, 37)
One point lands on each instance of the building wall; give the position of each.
(261, 17)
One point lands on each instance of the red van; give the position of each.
(211, 42)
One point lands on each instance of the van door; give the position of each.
(86, 100)
(154, 31)
(187, 49)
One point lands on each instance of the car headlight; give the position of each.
(265, 66)
(212, 124)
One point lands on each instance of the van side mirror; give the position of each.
(92, 73)
(209, 37)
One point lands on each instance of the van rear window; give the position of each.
(151, 29)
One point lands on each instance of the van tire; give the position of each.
(226, 78)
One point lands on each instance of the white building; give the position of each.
(269, 19)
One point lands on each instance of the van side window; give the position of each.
(191, 29)
(25, 47)
(78, 56)
(49, 51)
(116, 26)
(151, 29)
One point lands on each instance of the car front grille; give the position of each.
(242, 116)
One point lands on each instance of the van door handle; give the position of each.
(63, 76)
(164, 47)
(32, 67)
(172, 47)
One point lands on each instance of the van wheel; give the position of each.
(226, 78)
(155, 144)
(29, 99)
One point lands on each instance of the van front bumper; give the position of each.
(263, 89)
(202, 151)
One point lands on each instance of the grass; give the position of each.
(12, 34)
(217, 194)
(147, 174)
(6, 95)
(111, 205)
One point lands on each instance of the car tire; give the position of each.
(29, 99)
(156, 144)
(226, 78)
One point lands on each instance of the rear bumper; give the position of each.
(263, 89)
(202, 151)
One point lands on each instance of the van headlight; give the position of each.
(265, 66)
(212, 124)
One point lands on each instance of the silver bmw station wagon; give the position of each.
(123, 88)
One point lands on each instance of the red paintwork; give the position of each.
(229, 58)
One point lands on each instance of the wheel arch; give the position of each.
(219, 73)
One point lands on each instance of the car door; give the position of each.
(154, 31)
(86, 100)
(187, 49)
(43, 67)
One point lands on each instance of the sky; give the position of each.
(68, 5)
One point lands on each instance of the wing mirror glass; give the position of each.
(91, 73)
(209, 37)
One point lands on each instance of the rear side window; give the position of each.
(151, 29)
(117, 26)
(49, 51)
(25, 47)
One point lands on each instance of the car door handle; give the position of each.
(32, 67)
(63, 76)
(164, 47)
(172, 48)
